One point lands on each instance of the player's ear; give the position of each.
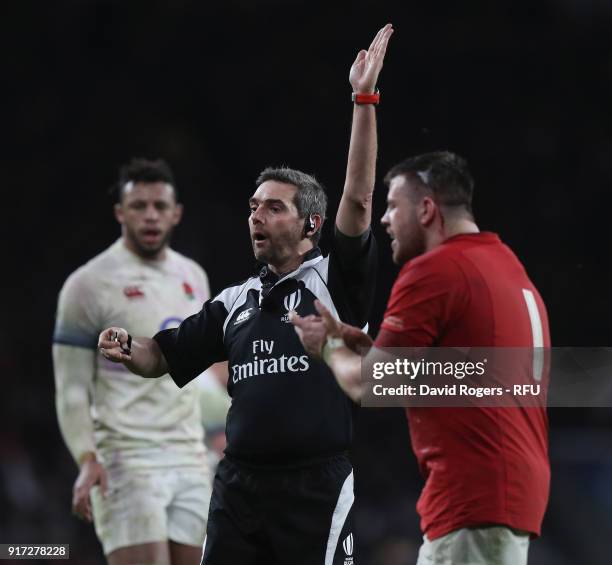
(427, 211)
(178, 214)
(118, 212)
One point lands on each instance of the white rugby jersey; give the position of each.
(139, 420)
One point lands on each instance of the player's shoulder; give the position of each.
(106, 261)
(441, 262)
(87, 273)
(177, 257)
(93, 274)
(79, 282)
(430, 274)
(186, 263)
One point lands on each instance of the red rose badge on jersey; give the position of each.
(188, 290)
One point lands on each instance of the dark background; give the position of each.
(221, 90)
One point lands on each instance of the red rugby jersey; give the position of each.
(481, 465)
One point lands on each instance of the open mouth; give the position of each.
(151, 234)
(259, 237)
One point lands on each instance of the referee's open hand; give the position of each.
(366, 68)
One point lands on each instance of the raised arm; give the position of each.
(140, 355)
(355, 209)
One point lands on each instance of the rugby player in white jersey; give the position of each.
(143, 473)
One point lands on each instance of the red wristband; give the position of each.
(366, 98)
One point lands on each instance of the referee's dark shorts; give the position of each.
(281, 516)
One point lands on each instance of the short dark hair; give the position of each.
(310, 197)
(144, 170)
(444, 173)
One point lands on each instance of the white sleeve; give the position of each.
(214, 402)
(74, 352)
(74, 369)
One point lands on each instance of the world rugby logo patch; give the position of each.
(292, 301)
(347, 545)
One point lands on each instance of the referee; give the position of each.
(284, 491)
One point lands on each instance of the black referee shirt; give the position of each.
(286, 407)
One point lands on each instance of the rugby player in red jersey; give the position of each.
(486, 469)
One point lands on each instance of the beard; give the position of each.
(279, 248)
(149, 250)
(412, 244)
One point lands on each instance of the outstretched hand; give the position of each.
(115, 344)
(366, 68)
